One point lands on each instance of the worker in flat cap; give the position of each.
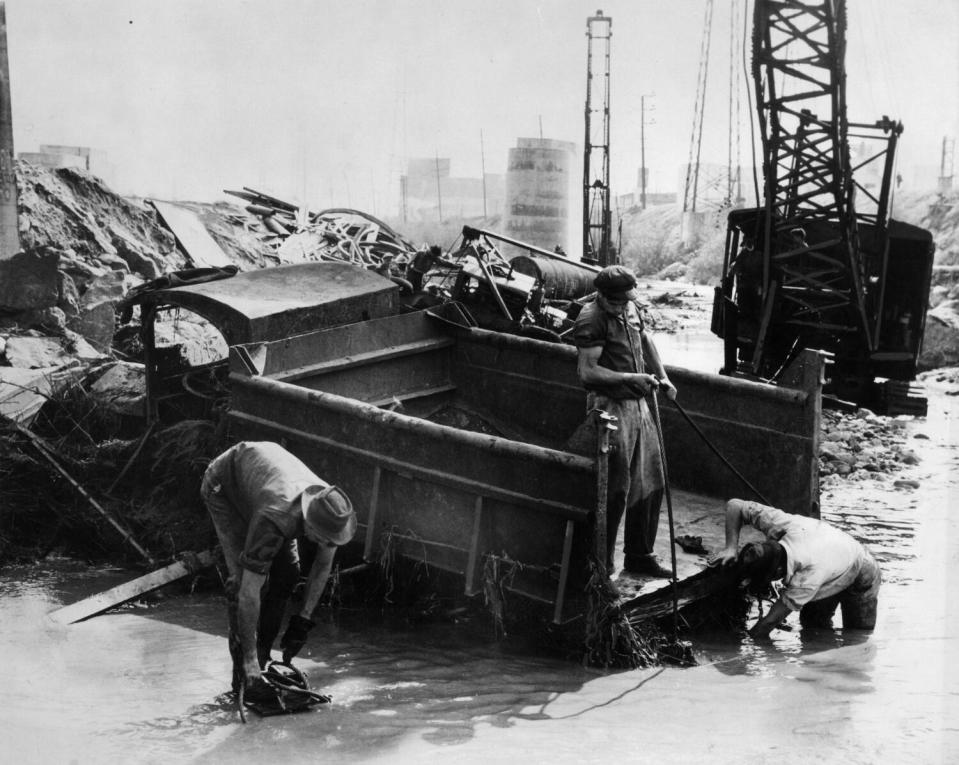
(262, 499)
(619, 366)
(821, 567)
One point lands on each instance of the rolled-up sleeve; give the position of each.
(771, 521)
(587, 332)
(263, 542)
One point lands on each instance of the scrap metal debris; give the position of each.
(337, 233)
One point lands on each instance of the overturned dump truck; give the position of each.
(462, 448)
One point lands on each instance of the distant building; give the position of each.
(53, 156)
(428, 192)
(538, 190)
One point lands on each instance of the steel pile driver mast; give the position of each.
(820, 264)
(597, 217)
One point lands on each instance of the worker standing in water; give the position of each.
(262, 499)
(619, 366)
(822, 567)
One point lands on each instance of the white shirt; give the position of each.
(821, 560)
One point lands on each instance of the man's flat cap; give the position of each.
(616, 283)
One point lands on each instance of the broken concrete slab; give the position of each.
(122, 389)
(97, 323)
(24, 391)
(940, 341)
(29, 280)
(27, 352)
(37, 352)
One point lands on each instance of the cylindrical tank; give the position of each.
(561, 280)
(538, 191)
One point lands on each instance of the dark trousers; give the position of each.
(859, 602)
(636, 480)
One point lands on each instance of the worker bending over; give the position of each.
(619, 366)
(821, 567)
(261, 499)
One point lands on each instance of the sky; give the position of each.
(324, 102)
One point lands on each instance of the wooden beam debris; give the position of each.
(46, 451)
(123, 593)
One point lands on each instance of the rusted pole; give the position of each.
(669, 511)
(604, 426)
(9, 233)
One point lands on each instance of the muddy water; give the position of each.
(145, 685)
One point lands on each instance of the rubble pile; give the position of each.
(863, 445)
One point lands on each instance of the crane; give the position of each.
(821, 264)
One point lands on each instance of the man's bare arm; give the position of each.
(771, 619)
(734, 524)
(316, 582)
(248, 614)
(591, 373)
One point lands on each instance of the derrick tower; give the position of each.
(597, 222)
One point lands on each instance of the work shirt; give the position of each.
(821, 560)
(263, 482)
(620, 337)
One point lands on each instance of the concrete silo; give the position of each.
(538, 187)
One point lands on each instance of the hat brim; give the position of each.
(623, 296)
(338, 537)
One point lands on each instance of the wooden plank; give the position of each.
(123, 593)
(192, 236)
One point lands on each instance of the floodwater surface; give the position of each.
(146, 685)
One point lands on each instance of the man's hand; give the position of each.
(725, 557)
(642, 382)
(295, 636)
(257, 688)
(668, 388)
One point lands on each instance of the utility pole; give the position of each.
(9, 233)
(946, 164)
(439, 191)
(597, 218)
(642, 149)
(483, 166)
(695, 143)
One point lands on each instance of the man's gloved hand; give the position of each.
(295, 636)
(258, 690)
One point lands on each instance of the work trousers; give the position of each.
(636, 479)
(281, 580)
(859, 602)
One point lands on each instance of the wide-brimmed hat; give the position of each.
(328, 514)
(616, 283)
